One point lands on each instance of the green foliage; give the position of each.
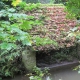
(73, 7)
(14, 36)
(77, 68)
(52, 1)
(74, 33)
(12, 40)
(39, 74)
(29, 7)
(43, 41)
(1, 5)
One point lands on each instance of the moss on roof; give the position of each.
(55, 27)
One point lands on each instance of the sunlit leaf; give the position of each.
(16, 2)
(7, 46)
(26, 42)
(26, 25)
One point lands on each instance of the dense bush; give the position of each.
(73, 8)
(12, 38)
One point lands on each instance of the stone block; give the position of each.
(29, 59)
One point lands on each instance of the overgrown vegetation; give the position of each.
(73, 8)
(14, 36)
(50, 57)
(40, 74)
(15, 33)
(12, 39)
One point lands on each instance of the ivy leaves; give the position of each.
(13, 38)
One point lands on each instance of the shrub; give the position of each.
(73, 8)
(12, 39)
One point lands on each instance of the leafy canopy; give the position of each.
(73, 7)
